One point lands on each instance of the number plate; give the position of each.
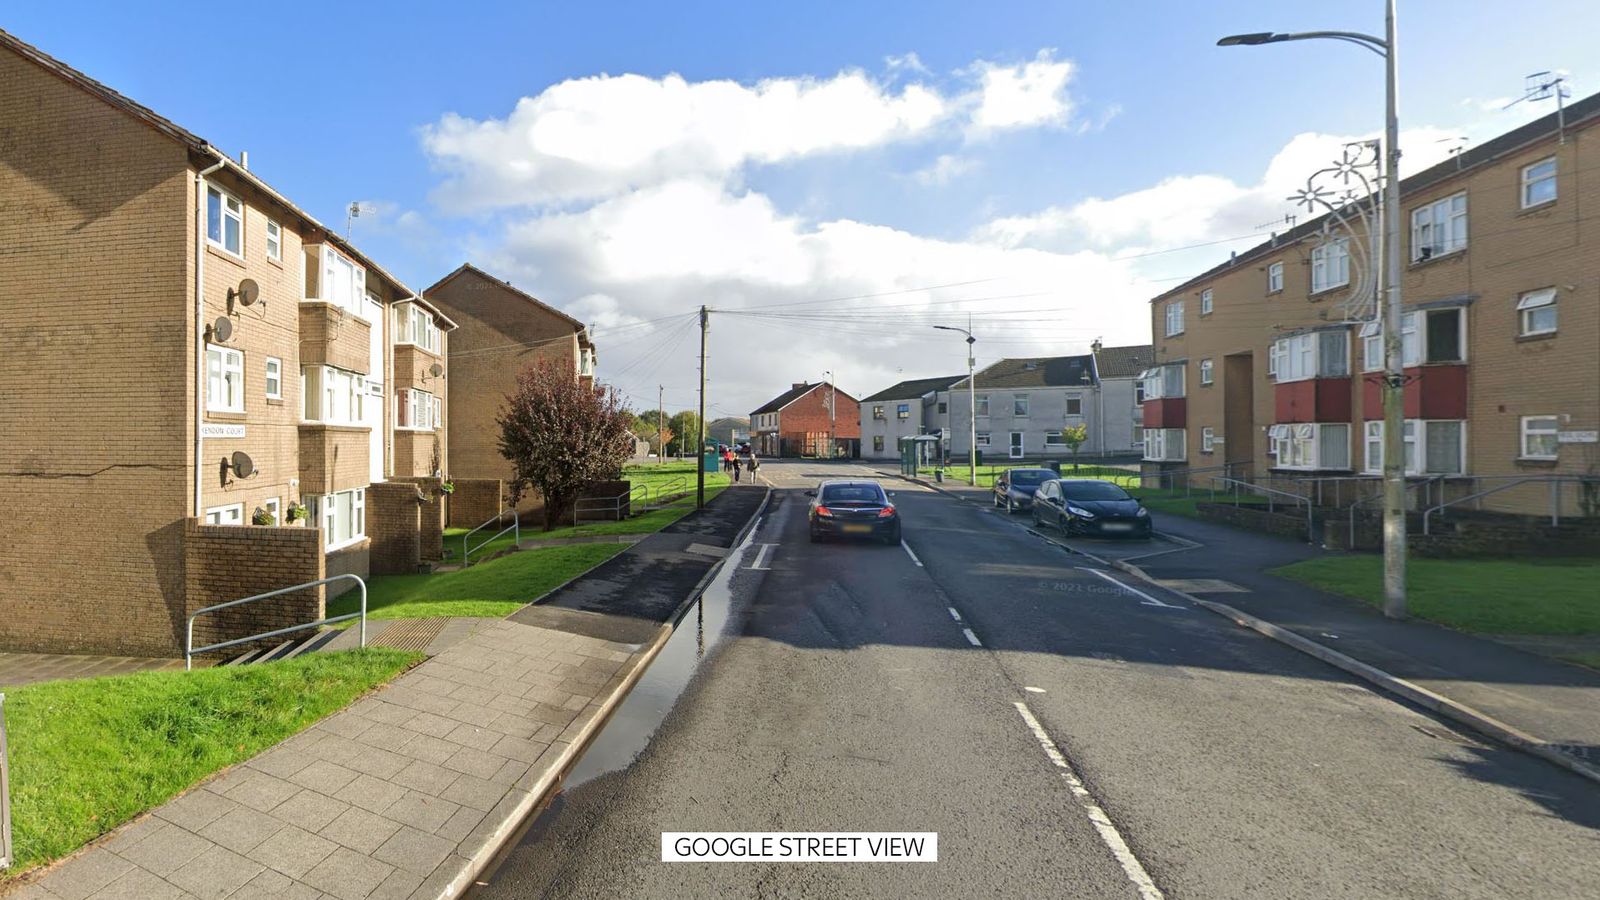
(858, 529)
(1117, 526)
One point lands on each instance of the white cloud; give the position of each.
(1030, 94)
(945, 169)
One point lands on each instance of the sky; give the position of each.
(831, 179)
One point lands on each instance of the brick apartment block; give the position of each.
(125, 406)
(1263, 365)
(501, 331)
(799, 422)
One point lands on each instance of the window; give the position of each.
(1330, 265)
(1372, 445)
(274, 379)
(1208, 439)
(438, 413)
(1319, 354)
(1444, 336)
(274, 507)
(1539, 183)
(332, 278)
(414, 325)
(1019, 404)
(1138, 436)
(1439, 228)
(334, 396)
(274, 241)
(417, 410)
(343, 516)
(877, 442)
(902, 411)
(224, 379)
(983, 439)
(1074, 405)
(1311, 446)
(943, 407)
(1275, 351)
(1539, 437)
(1428, 336)
(1205, 371)
(1162, 381)
(1371, 347)
(877, 411)
(225, 221)
(225, 515)
(1442, 446)
(1174, 318)
(1536, 312)
(1205, 302)
(1275, 278)
(1138, 392)
(1053, 439)
(982, 402)
(1432, 447)
(1164, 444)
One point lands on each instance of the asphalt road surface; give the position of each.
(1066, 732)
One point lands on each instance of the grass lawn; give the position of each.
(88, 755)
(1489, 596)
(494, 588)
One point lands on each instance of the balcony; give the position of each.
(413, 368)
(1167, 412)
(331, 336)
(334, 457)
(1432, 392)
(1313, 400)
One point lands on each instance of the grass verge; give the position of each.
(497, 587)
(88, 755)
(1486, 596)
(1128, 478)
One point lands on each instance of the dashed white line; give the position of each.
(1148, 600)
(913, 556)
(761, 557)
(1102, 823)
(1033, 690)
(971, 638)
(953, 613)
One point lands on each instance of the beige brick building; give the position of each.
(501, 331)
(185, 349)
(1264, 364)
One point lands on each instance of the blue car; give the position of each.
(1013, 488)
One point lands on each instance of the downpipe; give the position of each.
(200, 188)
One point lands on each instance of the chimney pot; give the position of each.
(244, 160)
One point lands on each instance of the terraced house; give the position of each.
(208, 393)
(1261, 366)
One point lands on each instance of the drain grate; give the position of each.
(409, 635)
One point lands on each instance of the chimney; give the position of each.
(797, 385)
(1095, 347)
(244, 160)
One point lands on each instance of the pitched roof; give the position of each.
(466, 268)
(786, 398)
(1124, 362)
(1039, 371)
(1580, 113)
(200, 146)
(915, 388)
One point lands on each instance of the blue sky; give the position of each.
(902, 186)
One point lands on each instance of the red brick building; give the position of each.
(805, 419)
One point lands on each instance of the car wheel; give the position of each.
(1011, 506)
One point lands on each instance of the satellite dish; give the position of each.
(436, 370)
(242, 465)
(222, 329)
(247, 293)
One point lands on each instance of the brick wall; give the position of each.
(330, 336)
(1256, 519)
(603, 493)
(225, 563)
(414, 452)
(809, 414)
(431, 516)
(394, 527)
(475, 501)
(333, 458)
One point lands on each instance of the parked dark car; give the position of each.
(1013, 488)
(1090, 506)
(853, 509)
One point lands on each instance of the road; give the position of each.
(1066, 733)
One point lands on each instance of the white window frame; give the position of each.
(1415, 441)
(980, 403)
(1372, 446)
(327, 513)
(228, 362)
(982, 438)
(1300, 357)
(274, 508)
(1157, 381)
(1304, 445)
(224, 215)
(413, 406)
(327, 390)
(1530, 182)
(1275, 277)
(1439, 227)
(1174, 314)
(351, 296)
(1526, 432)
(1530, 305)
(1208, 439)
(1053, 439)
(1071, 401)
(274, 378)
(1330, 265)
(1138, 435)
(1166, 444)
(234, 511)
(1206, 302)
(1206, 367)
(902, 411)
(1371, 335)
(1019, 405)
(274, 241)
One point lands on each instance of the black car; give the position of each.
(853, 509)
(1013, 488)
(1090, 506)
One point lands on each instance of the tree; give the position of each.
(561, 436)
(646, 431)
(686, 431)
(1074, 437)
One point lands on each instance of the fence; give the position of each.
(189, 649)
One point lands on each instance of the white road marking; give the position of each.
(1148, 600)
(761, 557)
(1033, 690)
(953, 614)
(1102, 823)
(971, 638)
(910, 554)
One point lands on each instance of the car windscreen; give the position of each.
(852, 495)
(1092, 490)
(1031, 477)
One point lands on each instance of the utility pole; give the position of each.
(833, 404)
(661, 444)
(700, 426)
(972, 401)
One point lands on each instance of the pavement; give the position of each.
(1067, 729)
(408, 792)
(18, 669)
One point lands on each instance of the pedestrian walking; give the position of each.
(733, 466)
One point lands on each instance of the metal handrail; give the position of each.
(515, 526)
(7, 854)
(615, 505)
(1410, 486)
(1311, 528)
(189, 649)
(1555, 482)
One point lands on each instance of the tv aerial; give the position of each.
(1543, 86)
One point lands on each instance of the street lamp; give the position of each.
(972, 399)
(1394, 482)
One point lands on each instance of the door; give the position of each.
(1016, 445)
